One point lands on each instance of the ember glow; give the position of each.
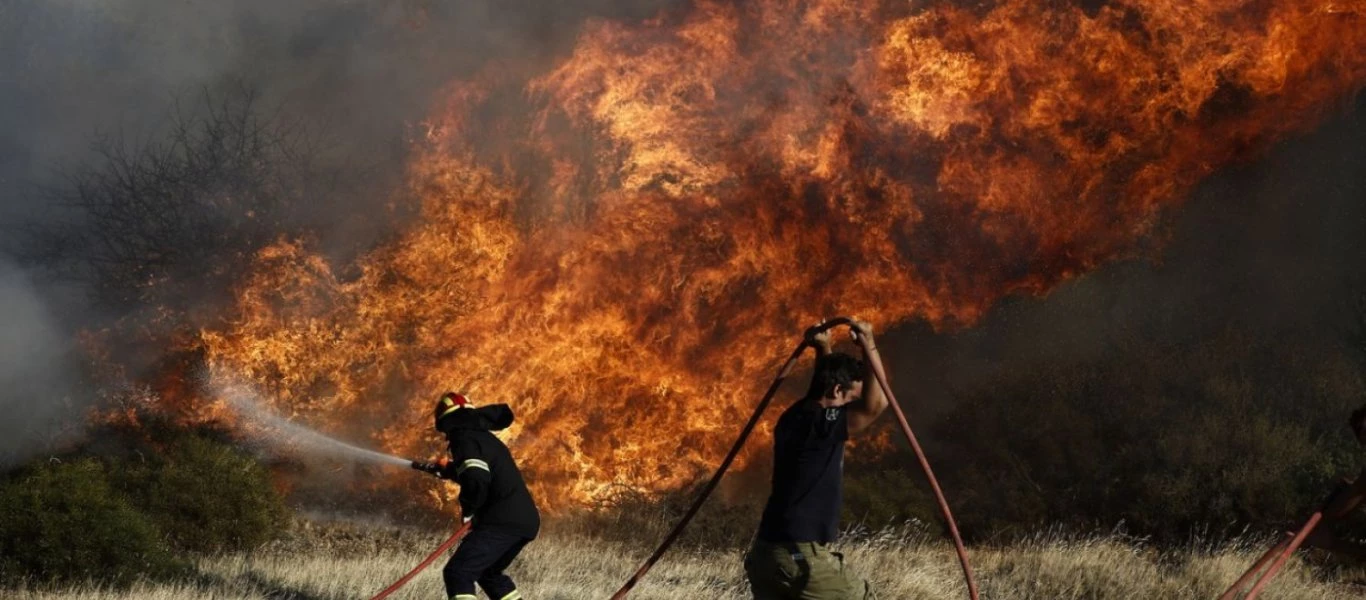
(624, 245)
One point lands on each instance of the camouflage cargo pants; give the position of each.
(801, 571)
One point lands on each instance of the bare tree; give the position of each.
(156, 221)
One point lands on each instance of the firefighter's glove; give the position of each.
(435, 467)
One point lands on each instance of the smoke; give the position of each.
(364, 71)
(369, 70)
(282, 435)
(74, 73)
(1275, 249)
(707, 218)
(37, 373)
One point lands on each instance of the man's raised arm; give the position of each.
(865, 411)
(818, 338)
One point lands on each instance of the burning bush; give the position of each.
(643, 223)
(642, 519)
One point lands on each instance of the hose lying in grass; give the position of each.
(456, 537)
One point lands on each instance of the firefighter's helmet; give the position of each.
(449, 403)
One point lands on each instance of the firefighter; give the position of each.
(493, 498)
(791, 557)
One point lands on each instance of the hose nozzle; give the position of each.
(435, 466)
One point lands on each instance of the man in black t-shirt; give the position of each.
(790, 558)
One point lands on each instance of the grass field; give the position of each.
(349, 562)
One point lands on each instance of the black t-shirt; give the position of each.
(808, 475)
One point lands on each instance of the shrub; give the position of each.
(880, 493)
(63, 522)
(1208, 438)
(121, 508)
(204, 495)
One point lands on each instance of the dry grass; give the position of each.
(340, 563)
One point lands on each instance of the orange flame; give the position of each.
(622, 247)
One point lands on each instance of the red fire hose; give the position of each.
(1285, 555)
(749, 427)
(1341, 502)
(459, 533)
(1282, 552)
(1256, 568)
(934, 483)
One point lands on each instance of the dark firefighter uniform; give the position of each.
(791, 557)
(492, 494)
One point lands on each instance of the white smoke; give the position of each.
(37, 373)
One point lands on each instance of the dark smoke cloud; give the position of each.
(357, 73)
(362, 70)
(1275, 248)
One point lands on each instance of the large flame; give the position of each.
(622, 247)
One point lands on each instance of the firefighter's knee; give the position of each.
(459, 581)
